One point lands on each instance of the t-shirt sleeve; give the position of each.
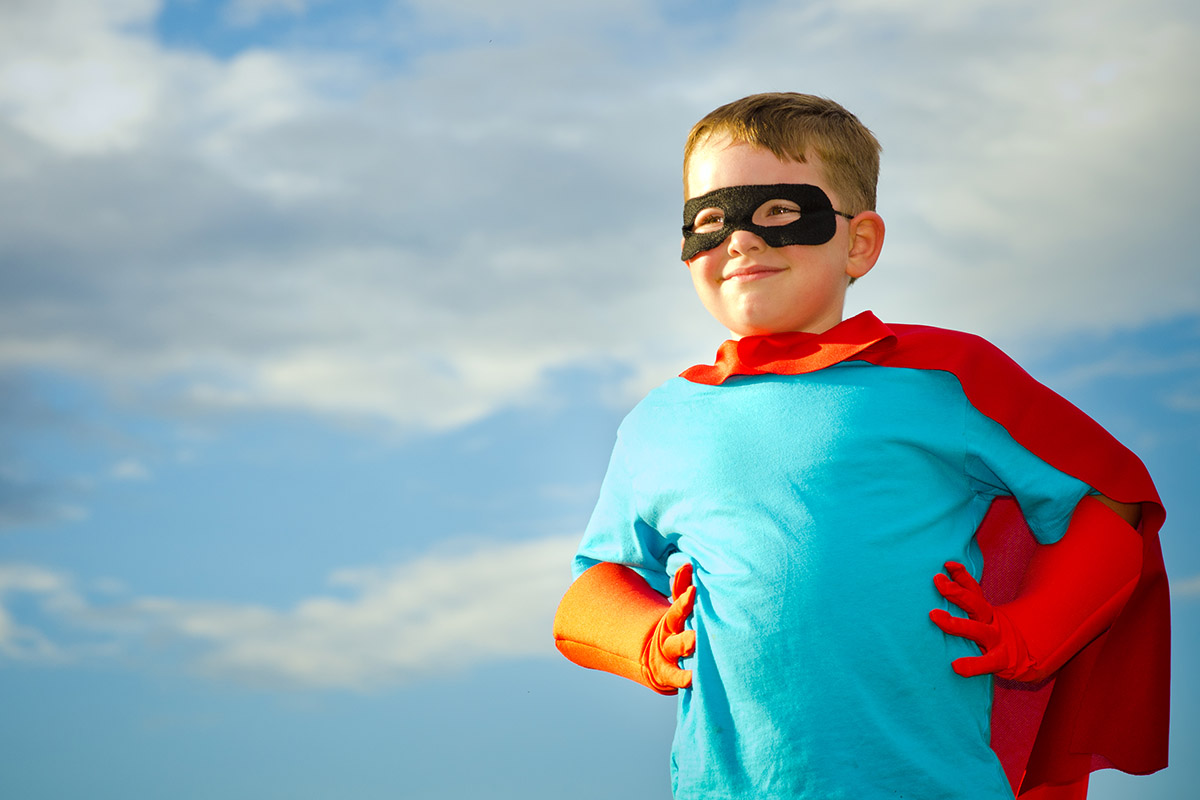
(998, 465)
(616, 532)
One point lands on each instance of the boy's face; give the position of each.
(752, 288)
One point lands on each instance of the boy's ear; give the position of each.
(866, 242)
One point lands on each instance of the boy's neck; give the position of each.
(815, 329)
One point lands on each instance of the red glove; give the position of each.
(1071, 593)
(610, 619)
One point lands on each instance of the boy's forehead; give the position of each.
(719, 162)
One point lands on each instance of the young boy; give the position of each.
(798, 497)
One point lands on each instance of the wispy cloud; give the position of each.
(1187, 587)
(129, 469)
(22, 642)
(450, 610)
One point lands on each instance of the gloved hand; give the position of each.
(1004, 650)
(612, 620)
(1071, 593)
(671, 640)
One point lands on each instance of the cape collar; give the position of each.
(791, 353)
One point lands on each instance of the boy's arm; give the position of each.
(1130, 512)
(1072, 592)
(612, 620)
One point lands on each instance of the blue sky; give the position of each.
(317, 320)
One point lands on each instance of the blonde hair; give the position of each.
(791, 125)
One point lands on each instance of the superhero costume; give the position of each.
(838, 365)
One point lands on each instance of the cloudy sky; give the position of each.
(317, 319)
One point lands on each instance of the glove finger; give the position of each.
(968, 598)
(982, 634)
(962, 577)
(673, 676)
(679, 645)
(985, 664)
(676, 616)
(681, 580)
(975, 607)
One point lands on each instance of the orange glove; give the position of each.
(1071, 593)
(612, 620)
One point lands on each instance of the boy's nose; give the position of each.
(745, 242)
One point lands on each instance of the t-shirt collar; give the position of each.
(791, 353)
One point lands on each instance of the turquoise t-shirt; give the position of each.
(816, 510)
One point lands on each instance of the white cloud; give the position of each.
(1186, 399)
(21, 642)
(129, 469)
(74, 77)
(1187, 587)
(1129, 363)
(444, 612)
(450, 610)
(26, 578)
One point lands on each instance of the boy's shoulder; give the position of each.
(659, 400)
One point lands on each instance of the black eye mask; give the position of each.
(816, 225)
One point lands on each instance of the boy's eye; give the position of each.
(777, 212)
(709, 220)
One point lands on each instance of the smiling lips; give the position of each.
(750, 273)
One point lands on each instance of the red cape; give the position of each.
(1109, 705)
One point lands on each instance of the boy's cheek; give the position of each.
(703, 268)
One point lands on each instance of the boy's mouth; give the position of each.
(750, 273)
